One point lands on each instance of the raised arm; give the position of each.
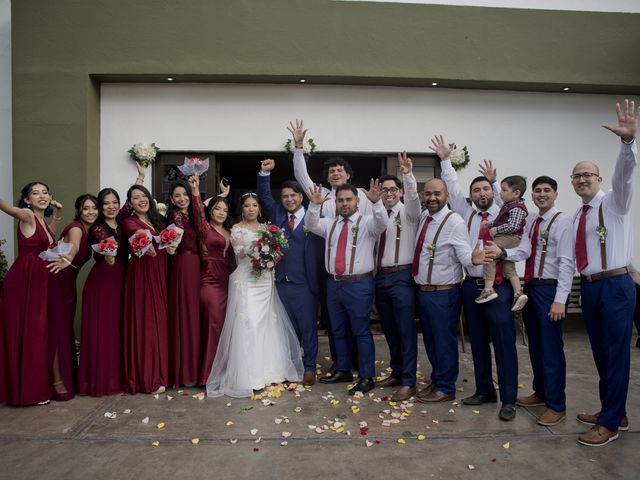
(25, 215)
(379, 213)
(622, 180)
(411, 198)
(488, 170)
(264, 187)
(312, 218)
(457, 199)
(199, 217)
(299, 163)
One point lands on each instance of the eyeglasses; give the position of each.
(393, 190)
(576, 177)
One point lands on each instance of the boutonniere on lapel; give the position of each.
(398, 221)
(432, 250)
(305, 230)
(602, 233)
(545, 237)
(354, 229)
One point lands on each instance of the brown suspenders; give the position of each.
(434, 243)
(603, 239)
(543, 253)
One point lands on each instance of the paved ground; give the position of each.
(76, 440)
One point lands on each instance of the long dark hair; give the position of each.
(156, 219)
(171, 207)
(243, 199)
(26, 191)
(101, 196)
(212, 203)
(80, 202)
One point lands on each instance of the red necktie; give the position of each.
(531, 261)
(581, 240)
(292, 222)
(341, 251)
(415, 267)
(485, 236)
(381, 244)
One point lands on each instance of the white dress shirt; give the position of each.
(369, 228)
(329, 207)
(559, 263)
(453, 250)
(459, 204)
(406, 218)
(616, 212)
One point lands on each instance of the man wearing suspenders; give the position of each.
(490, 322)
(442, 249)
(547, 247)
(395, 290)
(350, 239)
(604, 246)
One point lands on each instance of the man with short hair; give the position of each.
(442, 249)
(490, 322)
(349, 245)
(547, 247)
(299, 273)
(604, 246)
(395, 295)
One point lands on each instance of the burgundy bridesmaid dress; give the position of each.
(145, 337)
(184, 306)
(62, 299)
(24, 361)
(100, 370)
(217, 259)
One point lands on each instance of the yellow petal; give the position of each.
(506, 445)
(355, 409)
(155, 443)
(471, 467)
(160, 425)
(229, 423)
(335, 402)
(421, 437)
(195, 441)
(402, 441)
(477, 412)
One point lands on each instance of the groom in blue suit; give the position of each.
(299, 272)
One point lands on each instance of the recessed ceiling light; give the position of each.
(566, 89)
(302, 80)
(170, 79)
(434, 84)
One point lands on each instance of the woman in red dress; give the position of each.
(100, 371)
(212, 225)
(24, 366)
(184, 292)
(145, 331)
(62, 298)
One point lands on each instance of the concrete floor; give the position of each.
(76, 440)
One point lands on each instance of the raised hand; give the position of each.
(627, 121)
(374, 193)
(268, 164)
(406, 164)
(194, 182)
(298, 132)
(442, 148)
(57, 205)
(488, 170)
(224, 189)
(316, 195)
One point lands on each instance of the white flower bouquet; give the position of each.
(144, 153)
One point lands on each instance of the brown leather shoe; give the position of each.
(592, 419)
(426, 390)
(388, 382)
(403, 393)
(549, 418)
(531, 401)
(309, 378)
(435, 396)
(597, 436)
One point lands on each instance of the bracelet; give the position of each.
(57, 218)
(627, 143)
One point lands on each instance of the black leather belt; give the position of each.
(437, 288)
(537, 282)
(616, 272)
(352, 278)
(478, 281)
(396, 268)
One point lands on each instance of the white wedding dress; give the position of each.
(258, 344)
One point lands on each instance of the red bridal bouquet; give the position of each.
(193, 165)
(140, 242)
(169, 237)
(107, 247)
(55, 250)
(267, 249)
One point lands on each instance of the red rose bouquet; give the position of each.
(140, 242)
(267, 249)
(107, 247)
(169, 237)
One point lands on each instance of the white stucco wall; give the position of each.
(530, 134)
(6, 166)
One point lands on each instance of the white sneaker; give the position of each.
(486, 295)
(519, 301)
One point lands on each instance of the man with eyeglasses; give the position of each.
(395, 295)
(603, 250)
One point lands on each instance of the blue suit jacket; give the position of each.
(311, 265)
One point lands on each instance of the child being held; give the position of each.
(506, 231)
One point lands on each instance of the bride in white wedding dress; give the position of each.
(258, 344)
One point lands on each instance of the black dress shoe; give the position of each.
(388, 382)
(332, 369)
(364, 385)
(507, 412)
(338, 377)
(479, 399)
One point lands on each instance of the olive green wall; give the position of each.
(63, 49)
